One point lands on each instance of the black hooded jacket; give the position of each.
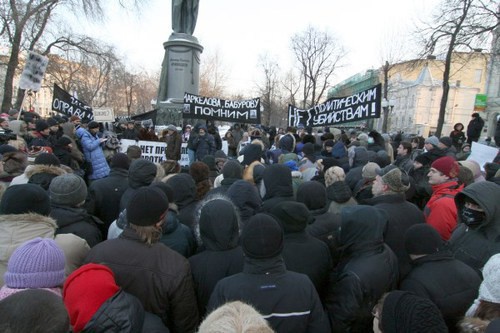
(105, 195)
(72, 220)
(447, 282)
(123, 313)
(141, 173)
(368, 268)
(401, 216)
(245, 196)
(278, 183)
(184, 197)
(475, 245)
(222, 256)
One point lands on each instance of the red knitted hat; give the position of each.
(85, 290)
(446, 165)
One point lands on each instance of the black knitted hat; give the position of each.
(25, 198)
(293, 216)
(146, 206)
(93, 124)
(422, 238)
(262, 237)
(404, 312)
(232, 169)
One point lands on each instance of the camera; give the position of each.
(5, 136)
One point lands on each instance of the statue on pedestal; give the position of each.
(184, 15)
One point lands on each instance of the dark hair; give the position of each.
(420, 141)
(406, 145)
(134, 152)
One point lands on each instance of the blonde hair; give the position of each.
(235, 317)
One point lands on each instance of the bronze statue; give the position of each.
(184, 14)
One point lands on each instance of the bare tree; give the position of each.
(213, 76)
(24, 23)
(459, 25)
(318, 54)
(269, 90)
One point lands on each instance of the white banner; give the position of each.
(33, 72)
(151, 150)
(184, 161)
(103, 115)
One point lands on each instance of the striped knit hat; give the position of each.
(38, 263)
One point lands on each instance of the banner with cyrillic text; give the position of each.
(338, 110)
(153, 151)
(63, 102)
(199, 107)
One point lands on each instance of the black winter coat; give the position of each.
(287, 300)
(158, 276)
(402, 215)
(474, 245)
(221, 255)
(184, 198)
(447, 282)
(123, 313)
(305, 254)
(105, 195)
(77, 221)
(177, 236)
(368, 268)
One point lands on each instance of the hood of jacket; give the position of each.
(218, 224)
(362, 227)
(141, 173)
(361, 157)
(277, 181)
(185, 189)
(487, 195)
(312, 194)
(246, 198)
(120, 313)
(339, 150)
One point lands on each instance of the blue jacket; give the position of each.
(93, 153)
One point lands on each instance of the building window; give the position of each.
(478, 75)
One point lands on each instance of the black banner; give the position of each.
(147, 119)
(64, 103)
(338, 110)
(245, 111)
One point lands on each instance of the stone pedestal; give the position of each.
(180, 73)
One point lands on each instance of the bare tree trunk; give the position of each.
(10, 73)
(386, 90)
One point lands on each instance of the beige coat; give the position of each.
(20, 228)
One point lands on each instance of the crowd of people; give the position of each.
(286, 230)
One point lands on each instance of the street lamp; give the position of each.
(387, 106)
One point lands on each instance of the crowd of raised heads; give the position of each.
(246, 228)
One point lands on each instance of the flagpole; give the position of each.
(21, 108)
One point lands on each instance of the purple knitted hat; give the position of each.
(38, 263)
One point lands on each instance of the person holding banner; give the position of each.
(174, 140)
(91, 145)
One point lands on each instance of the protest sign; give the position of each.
(338, 110)
(482, 154)
(151, 150)
(63, 102)
(103, 115)
(33, 72)
(199, 107)
(184, 161)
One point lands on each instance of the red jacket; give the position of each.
(440, 211)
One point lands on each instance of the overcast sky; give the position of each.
(242, 30)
